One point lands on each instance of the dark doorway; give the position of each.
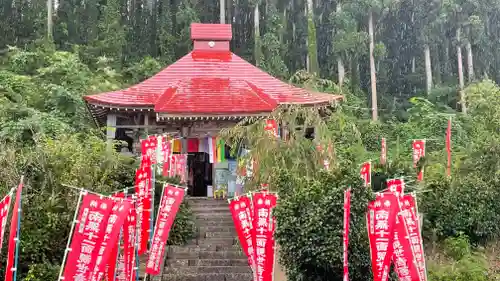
(200, 171)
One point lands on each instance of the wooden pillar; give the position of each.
(110, 129)
(146, 123)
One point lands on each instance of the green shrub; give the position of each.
(42, 272)
(460, 263)
(310, 223)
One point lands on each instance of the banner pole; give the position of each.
(152, 216)
(18, 233)
(80, 196)
(137, 229)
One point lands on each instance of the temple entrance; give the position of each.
(200, 174)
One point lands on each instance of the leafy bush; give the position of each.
(460, 263)
(184, 227)
(310, 222)
(42, 272)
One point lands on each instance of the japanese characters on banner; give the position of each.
(418, 152)
(241, 212)
(178, 166)
(366, 173)
(148, 148)
(143, 187)
(111, 267)
(403, 257)
(169, 205)
(383, 151)
(347, 215)
(263, 203)
(4, 214)
(410, 220)
(409, 203)
(87, 237)
(166, 148)
(13, 235)
(381, 218)
(396, 186)
(114, 224)
(129, 241)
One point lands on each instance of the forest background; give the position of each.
(419, 60)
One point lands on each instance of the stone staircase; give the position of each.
(215, 255)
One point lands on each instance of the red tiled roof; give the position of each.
(210, 65)
(200, 95)
(213, 80)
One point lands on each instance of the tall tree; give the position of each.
(312, 48)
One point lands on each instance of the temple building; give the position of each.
(194, 98)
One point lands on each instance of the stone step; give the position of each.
(213, 215)
(224, 241)
(209, 269)
(218, 234)
(216, 228)
(204, 220)
(210, 209)
(207, 277)
(211, 262)
(206, 202)
(203, 248)
(220, 223)
(207, 255)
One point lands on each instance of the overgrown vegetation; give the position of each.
(47, 135)
(309, 213)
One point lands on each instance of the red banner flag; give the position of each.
(121, 275)
(143, 188)
(181, 166)
(381, 218)
(410, 220)
(347, 216)
(148, 148)
(4, 214)
(170, 202)
(114, 224)
(403, 257)
(263, 203)
(396, 186)
(242, 217)
(448, 148)
(408, 202)
(13, 234)
(383, 152)
(129, 241)
(88, 236)
(366, 173)
(167, 153)
(272, 127)
(418, 152)
(110, 270)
